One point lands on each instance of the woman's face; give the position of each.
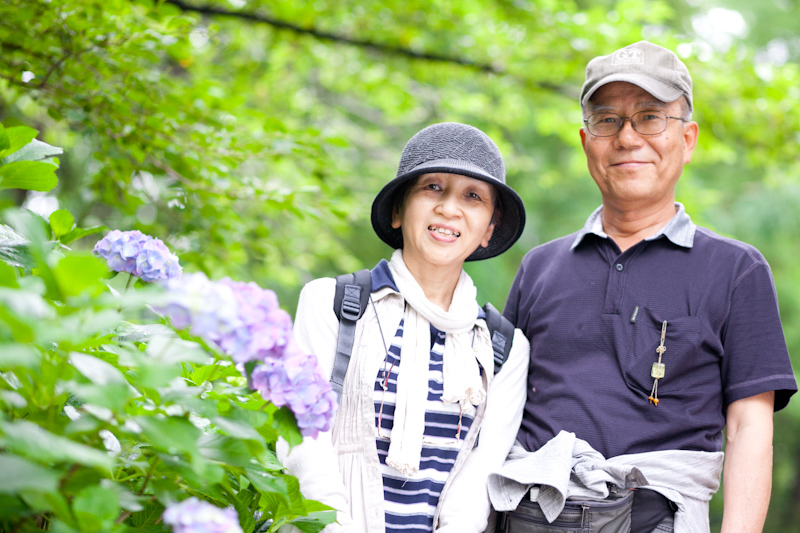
(444, 218)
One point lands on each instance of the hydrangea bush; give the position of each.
(114, 419)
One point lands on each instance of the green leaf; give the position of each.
(33, 151)
(236, 429)
(8, 277)
(19, 356)
(127, 499)
(286, 426)
(21, 331)
(78, 273)
(61, 222)
(18, 137)
(30, 175)
(96, 508)
(268, 484)
(246, 501)
(171, 434)
(14, 248)
(4, 141)
(96, 370)
(20, 474)
(34, 442)
(314, 522)
(225, 450)
(149, 515)
(79, 233)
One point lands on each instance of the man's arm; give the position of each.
(747, 474)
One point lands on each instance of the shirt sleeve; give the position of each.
(314, 462)
(466, 505)
(755, 357)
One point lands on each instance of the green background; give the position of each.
(251, 136)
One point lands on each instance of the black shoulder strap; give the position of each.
(349, 303)
(502, 332)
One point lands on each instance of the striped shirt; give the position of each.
(410, 503)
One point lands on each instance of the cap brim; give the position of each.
(505, 233)
(661, 90)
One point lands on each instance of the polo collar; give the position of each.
(679, 230)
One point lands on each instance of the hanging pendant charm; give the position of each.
(658, 369)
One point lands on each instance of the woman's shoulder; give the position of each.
(317, 296)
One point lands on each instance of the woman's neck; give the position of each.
(438, 283)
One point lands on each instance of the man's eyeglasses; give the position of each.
(644, 122)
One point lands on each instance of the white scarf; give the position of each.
(466, 344)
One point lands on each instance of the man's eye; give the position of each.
(606, 120)
(647, 117)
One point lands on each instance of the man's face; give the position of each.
(635, 171)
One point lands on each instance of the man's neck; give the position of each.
(627, 227)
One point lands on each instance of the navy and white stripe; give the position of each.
(410, 503)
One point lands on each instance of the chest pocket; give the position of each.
(680, 359)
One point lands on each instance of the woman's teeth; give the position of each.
(444, 231)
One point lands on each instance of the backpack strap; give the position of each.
(502, 335)
(349, 303)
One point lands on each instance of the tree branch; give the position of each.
(380, 47)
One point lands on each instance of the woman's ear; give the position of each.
(396, 218)
(488, 235)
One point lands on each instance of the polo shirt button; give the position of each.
(619, 267)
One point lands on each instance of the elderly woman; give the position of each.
(404, 453)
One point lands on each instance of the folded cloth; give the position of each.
(568, 467)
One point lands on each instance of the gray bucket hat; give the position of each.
(653, 68)
(455, 149)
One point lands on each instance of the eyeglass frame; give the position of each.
(630, 118)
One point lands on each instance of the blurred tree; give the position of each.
(251, 136)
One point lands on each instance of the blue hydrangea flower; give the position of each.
(197, 516)
(297, 382)
(139, 255)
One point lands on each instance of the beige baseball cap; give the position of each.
(653, 68)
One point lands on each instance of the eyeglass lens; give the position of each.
(644, 122)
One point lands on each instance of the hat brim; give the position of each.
(661, 90)
(506, 233)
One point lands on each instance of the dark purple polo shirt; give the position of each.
(594, 318)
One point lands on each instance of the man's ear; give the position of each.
(690, 133)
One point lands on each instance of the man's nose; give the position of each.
(627, 135)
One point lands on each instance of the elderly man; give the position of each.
(649, 335)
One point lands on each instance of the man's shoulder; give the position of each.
(548, 250)
(708, 241)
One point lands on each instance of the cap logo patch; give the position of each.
(627, 56)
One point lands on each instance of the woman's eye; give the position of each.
(473, 195)
(434, 187)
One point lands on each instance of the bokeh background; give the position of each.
(251, 136)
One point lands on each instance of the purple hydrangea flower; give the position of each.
(197, 516)
(139, 255)
(266, 328)
(245, 322)
(243, 319)
(209, 309)
(297, 382)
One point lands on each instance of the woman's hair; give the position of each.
(401, 193)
